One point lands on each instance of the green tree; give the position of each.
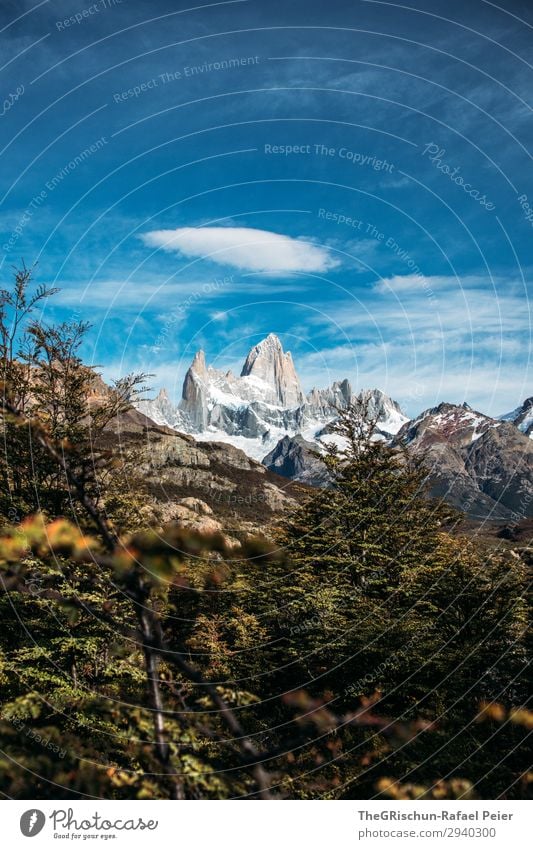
(99, 696)
(45, 380)
(376, 596)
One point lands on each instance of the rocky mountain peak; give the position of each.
(199, 365)
(522, 417)
(270, 343)
(325, 401)
(268, 362)
(379, 404)
(456, 424)
(193, 402)
(265, 403)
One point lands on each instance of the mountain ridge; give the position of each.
(480, 464)
(263, 405)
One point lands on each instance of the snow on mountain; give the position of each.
(162, 411)
(273, 372)
(479, 464)
(522, 417)
(482, 466)
(387, 412)
(459, 425)
(263, 405)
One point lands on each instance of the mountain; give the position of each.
(295, 458)
(263, 405)
(272, 369)
(522, 417)
(481, 465)
(457, 425)
(501, 463)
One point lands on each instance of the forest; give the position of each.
(361, 646)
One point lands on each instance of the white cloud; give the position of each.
(128, 294)
(180, 294)
(245, 248)
(219, 316)
(416, 284)
(428, 339)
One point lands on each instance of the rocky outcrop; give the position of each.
(501, 463)
(162, 411)
(383, 409)
(203, 483)
(324, 401)
(295, 458)
(195, 393)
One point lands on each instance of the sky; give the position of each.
(352, 176)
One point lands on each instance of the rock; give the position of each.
(268, 363)
(175, 450)
(522, 417)
(194, 395)
(339, 394)
(295, 458)
(207, 486)
(387, 412)
(190, 518)
(197, 506)
(501, 463)
(480, 465)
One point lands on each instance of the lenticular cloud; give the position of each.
(244, 248)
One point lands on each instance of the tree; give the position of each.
(375, 518)
(99, 696)
(377, 601)
(45, 379)
(159, 663)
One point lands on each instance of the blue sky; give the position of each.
(353, 176)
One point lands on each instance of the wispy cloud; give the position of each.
(220, 315)
(425, 339)
(417, 284)
(244, 248)
(154, 293)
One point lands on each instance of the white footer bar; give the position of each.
(264, 825)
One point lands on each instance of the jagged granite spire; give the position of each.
(269, 363)
(194, 394)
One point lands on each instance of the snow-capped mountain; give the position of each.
(263, 405)
(522, 417)
(458, 425)
(481, 465)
